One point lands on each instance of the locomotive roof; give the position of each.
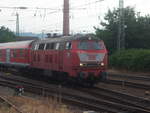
(26, 44)
(18, 44)
(66, 38)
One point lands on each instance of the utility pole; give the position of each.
(17, 24)
(121, 28)
(66, 24)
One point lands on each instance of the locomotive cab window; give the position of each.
(68, 45)
(90, 45)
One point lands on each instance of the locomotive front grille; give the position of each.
(92, 64)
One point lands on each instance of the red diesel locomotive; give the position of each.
(79, 58)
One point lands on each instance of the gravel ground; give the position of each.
(6, 91)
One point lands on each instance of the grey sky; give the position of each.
(83, 16)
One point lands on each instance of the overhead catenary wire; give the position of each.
(86, 4)
(45, 11)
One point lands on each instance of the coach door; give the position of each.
(7, 55)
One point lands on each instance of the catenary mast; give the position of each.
(66, 26)
(17, 24)
(121, 28)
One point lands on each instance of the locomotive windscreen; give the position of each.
(90, 45)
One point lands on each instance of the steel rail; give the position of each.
(133, 77)
(47, 89)
(71, 98)
(54, 91)
(119, 97)
(128, 83)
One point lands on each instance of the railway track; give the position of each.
(9, 104)
(131, 77)
(128, 84)
(125, 82)
(95, 99)
(118, 97)
(136, 81)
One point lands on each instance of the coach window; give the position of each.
(57, 46)
(21, 52)
(14, 53)
(68, 45)
(11, 53)
(41, 47)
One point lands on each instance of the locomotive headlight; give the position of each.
(81, 64)
(102, 64)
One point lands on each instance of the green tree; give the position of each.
(6, 35)
(137, 30)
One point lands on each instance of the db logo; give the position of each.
(68, 54)
(91, 57)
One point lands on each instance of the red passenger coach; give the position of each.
(15, 53)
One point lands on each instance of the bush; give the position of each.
(133, 59)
